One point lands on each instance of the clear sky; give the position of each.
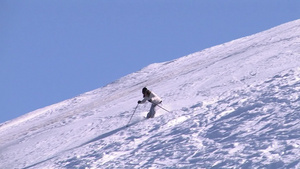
(53, 50)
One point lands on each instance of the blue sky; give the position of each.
(53, 50)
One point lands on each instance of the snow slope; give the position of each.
(235, 105)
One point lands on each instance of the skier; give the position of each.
(152, 98)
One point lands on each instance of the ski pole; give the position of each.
(162, 108)
(132, 115)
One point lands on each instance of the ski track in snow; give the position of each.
(235, 105)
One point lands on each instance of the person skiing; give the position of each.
(152, 98)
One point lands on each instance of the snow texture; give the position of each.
(235, 105)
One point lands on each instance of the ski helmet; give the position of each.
(144, 90)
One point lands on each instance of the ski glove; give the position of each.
(139, 102)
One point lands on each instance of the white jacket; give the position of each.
(153, 98)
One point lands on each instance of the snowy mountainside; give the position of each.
(232, 105)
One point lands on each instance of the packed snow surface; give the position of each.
(235, 105)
